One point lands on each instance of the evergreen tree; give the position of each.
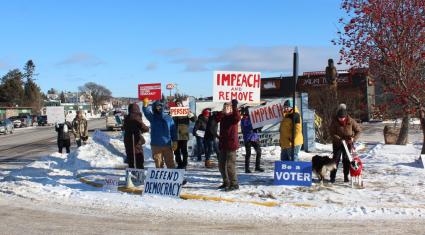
(62, 97)
(32, 92)
(11, 88)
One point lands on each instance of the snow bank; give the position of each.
(393, 180)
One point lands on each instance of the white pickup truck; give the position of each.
(114, 122)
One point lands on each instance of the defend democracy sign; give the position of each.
(164, 182)
(150, 91)
(268, 114)
(243, 86)
(179, 111)
(292, 173)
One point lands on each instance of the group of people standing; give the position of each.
(78, 128)
(170, 135)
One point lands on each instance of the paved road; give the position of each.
(29, 144)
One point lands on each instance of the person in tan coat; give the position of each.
(79, 128)
(343, 127)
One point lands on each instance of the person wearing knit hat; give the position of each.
(343, 127)
(285, 130)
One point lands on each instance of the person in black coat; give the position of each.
(211, 135)
(64, 138)
(133, 138)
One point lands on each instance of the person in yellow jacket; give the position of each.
(286, 133)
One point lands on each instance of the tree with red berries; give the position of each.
(388, 37)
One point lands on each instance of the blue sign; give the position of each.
(292, 173)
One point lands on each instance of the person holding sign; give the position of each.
(199, 132)
(286, 132)
(133, 138)
(211, 135)
(251, 138)
(228, 144)
(343, 127)
(79, 128)
(182, 123)
(163, 134)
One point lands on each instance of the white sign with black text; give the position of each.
(164, 182)
(111, 183)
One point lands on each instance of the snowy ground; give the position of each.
(393, 179)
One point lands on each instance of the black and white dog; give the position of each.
(322, 165)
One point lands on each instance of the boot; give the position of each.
(346, 179)
(247, 170)
(333, 176)
(209, 164)
(231, 188)
(257, 164)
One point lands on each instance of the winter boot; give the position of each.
(257, 164)
(259, 169)
(209, 164)
(346, 179)
(231, 188)
(247, 170)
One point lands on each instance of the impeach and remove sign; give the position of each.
(268, 114)
(164, 182)
(243, 86)
(292, 173)
(150, 91)
(179, 111)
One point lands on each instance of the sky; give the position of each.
(121, 44)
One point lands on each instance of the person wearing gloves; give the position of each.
(251, 138)
(286, 132)
(163, 134)
(79, 128)
(228, 144)
(199, 132)
(64, 138)
(343, 127)
(133, 138)
(182, 124)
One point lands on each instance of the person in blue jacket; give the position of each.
(251, 139)
(163, 134)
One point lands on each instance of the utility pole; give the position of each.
(294, 82)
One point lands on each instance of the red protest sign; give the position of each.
(170, 86)
(179, 111)
(151, 91)
(243, 86)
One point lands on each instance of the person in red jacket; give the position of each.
(228, 144)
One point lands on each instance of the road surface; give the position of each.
(28, 144)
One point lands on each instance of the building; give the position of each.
(6, 112)
(355, 88)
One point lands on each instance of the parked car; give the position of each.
(6, 126)
(42, 120)
(26, 120)
(16, 120)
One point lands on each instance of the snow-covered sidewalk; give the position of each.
(394, 186)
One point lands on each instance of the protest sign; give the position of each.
(150, 91)
(243, 86)
(137, 176)
(266, 114)
(179, 111)
(111, 183)
(55, 114)
(164, 182)
(170, 86)
(292, 173)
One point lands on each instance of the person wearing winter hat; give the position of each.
(133, 138)
(182, 125)
(343, 127)
(80, 128)
(64, 138)
(286, 132)
(199, 132)
(228, 144)
(211, 144)
(163, 134)
(251, 138)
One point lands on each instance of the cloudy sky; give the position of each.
(123, 43)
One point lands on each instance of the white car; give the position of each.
(6, 126)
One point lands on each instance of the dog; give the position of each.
(356, 167)
(322, 165)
